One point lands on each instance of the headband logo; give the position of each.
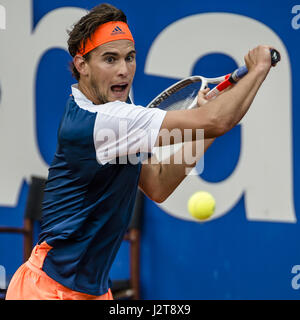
(117, 30)
(110, 31)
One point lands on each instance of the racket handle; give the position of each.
(237, 75)
(242, 71)
(275, 57)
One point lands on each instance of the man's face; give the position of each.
(111, 69)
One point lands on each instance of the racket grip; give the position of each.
(238, 74)
(242, 71)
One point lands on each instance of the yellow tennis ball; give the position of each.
(201, 205)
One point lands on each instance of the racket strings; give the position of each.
(181, 99)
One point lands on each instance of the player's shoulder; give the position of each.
(76, 124)
(118, 109)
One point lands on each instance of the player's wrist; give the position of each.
(260, 70)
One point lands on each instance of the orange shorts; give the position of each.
(30, 282)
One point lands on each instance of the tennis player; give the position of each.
(92, 183)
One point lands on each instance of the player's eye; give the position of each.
(110, 59)
(130, 58)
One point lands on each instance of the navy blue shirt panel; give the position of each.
(87, 207)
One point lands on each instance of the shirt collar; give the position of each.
(79, 97)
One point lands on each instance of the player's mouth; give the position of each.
(120, 90)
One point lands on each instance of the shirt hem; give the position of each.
(70, 285)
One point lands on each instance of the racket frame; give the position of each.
(222, 82)
(182, 84)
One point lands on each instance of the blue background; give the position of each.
(227, 258)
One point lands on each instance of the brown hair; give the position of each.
(87, 25)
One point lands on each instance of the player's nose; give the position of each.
(123, 70)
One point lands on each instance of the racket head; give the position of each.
(182, 94)
(179, 95)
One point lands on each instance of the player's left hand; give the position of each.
(201, 97)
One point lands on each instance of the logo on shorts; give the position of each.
(117, 30)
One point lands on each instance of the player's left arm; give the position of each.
(159, 179)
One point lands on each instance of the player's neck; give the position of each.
(89, 92)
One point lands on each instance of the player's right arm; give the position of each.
(221, 114)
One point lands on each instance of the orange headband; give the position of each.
(107, 32)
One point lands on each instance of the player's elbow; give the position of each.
(222, 122)
(221, 127)
(159, 200)
(216, 125)
(158, 196)
(160, 193)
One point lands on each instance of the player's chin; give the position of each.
(118, 98)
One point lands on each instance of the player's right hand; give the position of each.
(259, 58)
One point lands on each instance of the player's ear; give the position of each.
(81, 65)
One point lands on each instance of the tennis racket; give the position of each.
(183, 94)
